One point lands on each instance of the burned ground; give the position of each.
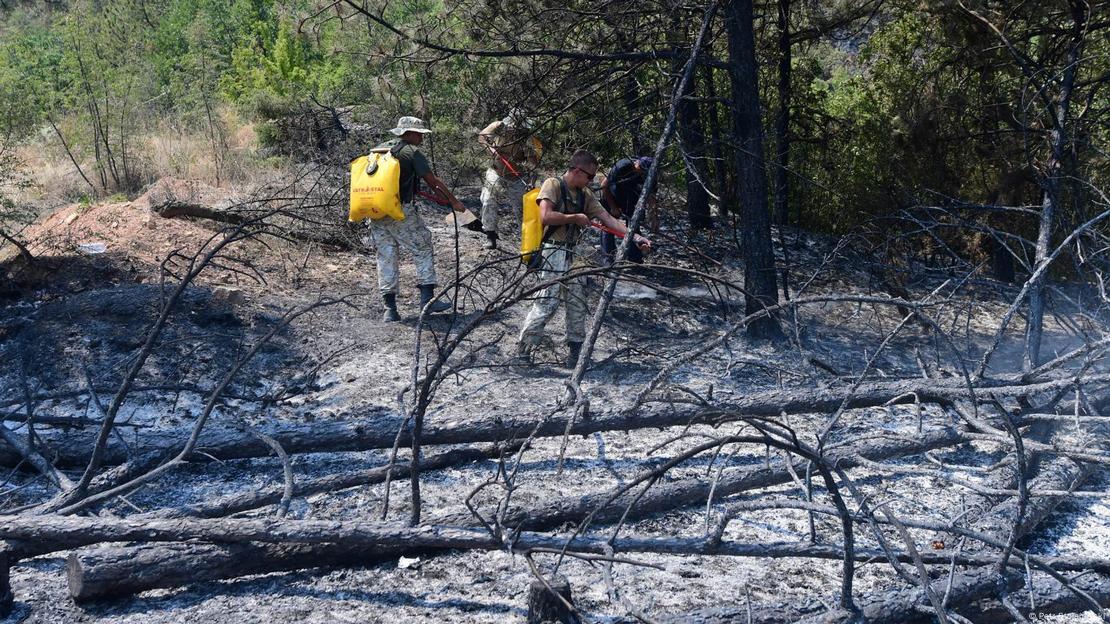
(76, 320)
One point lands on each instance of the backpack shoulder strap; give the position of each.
(572, 231)
(566, 197)
(549, 230)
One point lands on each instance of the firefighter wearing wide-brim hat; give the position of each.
(410, 233)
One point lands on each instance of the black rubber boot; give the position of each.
(491, 242)
(524, 352)
(390, 315)
(426, 293)
(574, 350)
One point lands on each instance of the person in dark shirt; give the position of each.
(410, 234)
(619, 193)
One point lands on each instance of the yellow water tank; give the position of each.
(531, 227)
(376, 188)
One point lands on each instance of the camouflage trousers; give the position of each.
(498, 190)
(391, 236)
(557, 261)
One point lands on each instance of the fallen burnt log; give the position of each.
(1050, 598)
(1006, 522)
(102, 572)
(129, 564)
(175, 208)
(293, 229)
(32, 457)
(378, 429)
(170, 198)
(983, 511)
(608, 507)
(911, 605)
(555, 515)
(236, 503)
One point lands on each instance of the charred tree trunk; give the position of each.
(1059, 113)
(379, 430)
(1010, 191)
(102, 572)
(693, 155)
(609, 507)
(236, 503)
(633, 104)
(6, 597)
(759, 257)
(721, 164)
(546, 602)
(782, 140)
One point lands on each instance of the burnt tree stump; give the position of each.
(544, 606)
(6, 597)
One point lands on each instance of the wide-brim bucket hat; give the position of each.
(518, 118)
(410, 124)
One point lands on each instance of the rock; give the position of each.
(325, 381)
(228, 203)
(233, 296)
(90, 249)
(406, 563)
